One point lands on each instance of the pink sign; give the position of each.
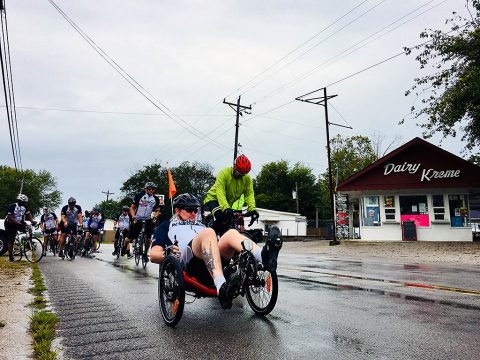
(420, 220)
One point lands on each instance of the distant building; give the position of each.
(290, 224)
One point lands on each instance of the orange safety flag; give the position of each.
(171, 185)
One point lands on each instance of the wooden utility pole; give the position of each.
(238, 109)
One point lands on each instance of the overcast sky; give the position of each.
(83, 122)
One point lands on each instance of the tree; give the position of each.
(195, 178)
(451, 96)
(40, 187)
(348, 156)
(111, 208)
(275, 182)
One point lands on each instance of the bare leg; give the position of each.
(205, 246)
(231, 243)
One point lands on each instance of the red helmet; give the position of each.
(242, 164)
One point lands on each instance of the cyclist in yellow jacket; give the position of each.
(231, 183)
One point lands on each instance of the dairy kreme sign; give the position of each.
(427, 174)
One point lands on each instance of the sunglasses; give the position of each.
(238, 173)
(191, 210)
(150, 189)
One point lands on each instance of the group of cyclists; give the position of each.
(202, 250)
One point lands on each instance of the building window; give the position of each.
(390, 211)
(371, 211)
(438, 207)
(414, 208)
(458, 210)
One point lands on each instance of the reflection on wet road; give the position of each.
(327, 309)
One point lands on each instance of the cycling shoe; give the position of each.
(271, 249)
(228, 291)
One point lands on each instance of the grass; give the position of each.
(42, 322)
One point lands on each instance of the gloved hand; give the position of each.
(253, 216)
(228, 213)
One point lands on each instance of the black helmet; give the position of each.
(72, 200)
(125, 208)
(186, 200)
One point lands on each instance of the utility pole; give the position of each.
(238, 109)
(322, 100)
(108, 193)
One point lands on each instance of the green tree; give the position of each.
(275, 183)
(348, 156)
(195, 178)
(40, 187)
(450, 97)
(111, 208)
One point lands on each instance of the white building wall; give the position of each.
(290, 224)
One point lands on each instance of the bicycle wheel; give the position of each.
(52, 245)
(143, 246)
(17, 249)
(99, 241)
(70, 248)
(262, 295)
(119, 246)
(79, 245)
(138, 252)
(33, 250)
(171, 291)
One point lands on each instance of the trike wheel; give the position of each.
(171, 290)
(263, 295)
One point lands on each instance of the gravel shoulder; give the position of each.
(441, 253)
(15, 340)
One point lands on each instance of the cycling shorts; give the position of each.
(135, 229)
(196, 267)
(50, 231)
(93, 231)
(71, 228)
(11, 230)
(124, 232)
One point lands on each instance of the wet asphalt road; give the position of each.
(328, 308)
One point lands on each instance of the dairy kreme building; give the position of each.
(418, 183)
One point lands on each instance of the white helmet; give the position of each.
(22, 197)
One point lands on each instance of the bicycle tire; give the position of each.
(99, 242)
(119, 246)
(52, 245)
(171, 291)
(70, 248)
(263, 298)
(144, 251)
(17, 249)
(33, 249)
(136, 249)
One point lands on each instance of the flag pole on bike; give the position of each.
(171, 186)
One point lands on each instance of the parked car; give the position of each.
(3, 242)
(476, 231)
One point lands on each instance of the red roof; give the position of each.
(415, 165)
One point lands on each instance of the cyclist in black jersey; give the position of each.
(145, 205)
(71, 216)
(17, 213)
(122, 224)
(48, 224)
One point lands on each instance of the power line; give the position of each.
(353, 49)
(314, 46)
(140, 89)
(111, 112)
(8, 91)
